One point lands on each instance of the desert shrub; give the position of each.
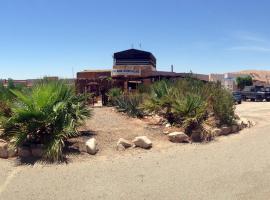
(130, 104)
(48, 115)
(113, 94)
(144, 89)
(160, 98)
(188, 102)
(189, 110)
(222, 104)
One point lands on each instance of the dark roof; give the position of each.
(134, 54)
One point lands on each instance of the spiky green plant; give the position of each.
(113, 94)
(130, 104)
(189, 110)
(160, 97)
(49, 115)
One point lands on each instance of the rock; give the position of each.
(24, 152)
(168, 125)
(82, 146)
(155, 120)
(3, 149)
(91, 146)
(37, 150)
(166, 132)
(244, 123)
(196, 135)
(216, 132)
(235, 128)
(12, 152)
(178, 137)
(124, 143)
(142, 142)
(120, 147)
(225, 130)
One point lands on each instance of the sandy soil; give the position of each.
(107, 126)
(232, 167)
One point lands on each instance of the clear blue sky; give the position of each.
(50, 37)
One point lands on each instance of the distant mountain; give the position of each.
(258, 75)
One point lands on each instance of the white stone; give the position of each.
(178, 137)
(166, 132)
(3, 149)
(142, 142)
(168, 125)
(91, 146)
(125, 143)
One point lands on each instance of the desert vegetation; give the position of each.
(47, 115)
(187, 103)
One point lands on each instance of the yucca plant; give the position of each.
(160, 97)
(113, 94)
(130, 104)
(189, 110)
(49, 115)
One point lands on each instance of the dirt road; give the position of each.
(233, 167)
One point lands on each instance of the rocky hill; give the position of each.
(259, 75)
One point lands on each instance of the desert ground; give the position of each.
(231, 167)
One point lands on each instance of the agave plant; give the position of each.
(161, 97)
(189, 110)
(130, 104)
(113, 94)
(49, 115)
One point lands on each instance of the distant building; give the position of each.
(131, 68)
(228, 80)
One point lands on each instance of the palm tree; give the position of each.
(48, 115)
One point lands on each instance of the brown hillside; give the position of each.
(259, 75)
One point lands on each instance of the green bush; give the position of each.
(222, 104)
(113, 94)
(130, 104)
(188, 102)
(160, 98)
(189, 110)
(49, 114)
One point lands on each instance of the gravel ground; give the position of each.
(109, 125)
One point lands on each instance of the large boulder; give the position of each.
(3, 149)
(142, 142)
(125, 143)
(91, 146)
(178, 137)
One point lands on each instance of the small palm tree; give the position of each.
(49, 115)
